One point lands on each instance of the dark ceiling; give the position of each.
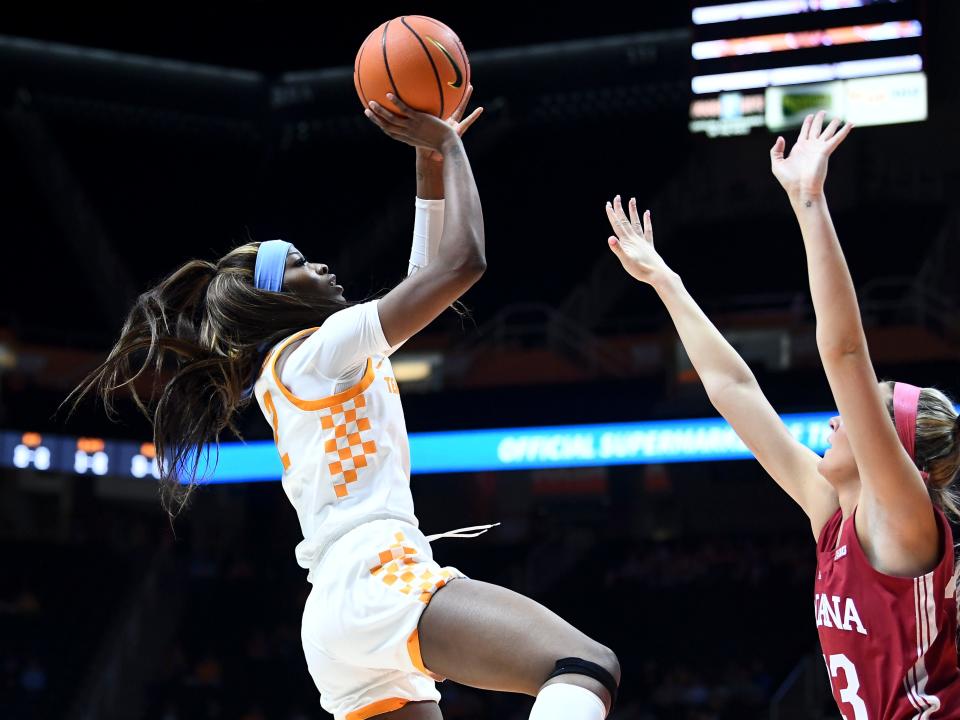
(278, 36)
(112, 176)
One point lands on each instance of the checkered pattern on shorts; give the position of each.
(399, 567)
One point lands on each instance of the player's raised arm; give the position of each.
(894, 503)
(428, 222)
(460, 259)
(729, 382)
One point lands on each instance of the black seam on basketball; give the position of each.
(386, 64)
(463, 59)
(356, 71)
(463, 53)
(436, 73)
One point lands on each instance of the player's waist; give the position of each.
(311, 553)
(342, 533)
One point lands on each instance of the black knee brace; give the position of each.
(577, 666)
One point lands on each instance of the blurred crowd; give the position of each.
(705, 626)
(677, 614)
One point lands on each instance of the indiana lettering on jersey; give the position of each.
(837, 612)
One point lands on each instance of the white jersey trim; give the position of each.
(925, 616)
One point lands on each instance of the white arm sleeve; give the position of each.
(427, 231)
(339, 348)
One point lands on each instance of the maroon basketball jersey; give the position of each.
(889, 643)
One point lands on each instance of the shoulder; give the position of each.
(338, 346)
(902, 554)
(283, 350)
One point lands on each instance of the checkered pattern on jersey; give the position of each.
(399, 567)
(347, 450)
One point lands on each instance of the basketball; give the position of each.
(418, 59)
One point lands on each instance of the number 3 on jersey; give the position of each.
(848, 694)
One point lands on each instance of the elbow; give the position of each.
(727, 391)
(472, 267)
(841, 346)
(477, 267)
(469, 272)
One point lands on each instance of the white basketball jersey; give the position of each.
(346, 459)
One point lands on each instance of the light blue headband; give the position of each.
(271, 262)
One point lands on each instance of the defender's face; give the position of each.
(838, 461)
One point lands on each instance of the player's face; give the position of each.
(838, 463)
(311, 280)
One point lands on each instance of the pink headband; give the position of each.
(906, 398)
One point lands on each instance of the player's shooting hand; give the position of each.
(632, 242)
(803, 172)
(413, 127)
(457, 122)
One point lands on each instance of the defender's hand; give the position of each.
(632, 242)
(803, 172)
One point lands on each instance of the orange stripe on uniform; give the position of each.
(274, 421)
(413, 650)
(377, 708)
(283, 345)
(327, 402)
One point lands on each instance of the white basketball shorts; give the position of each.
(360, 621)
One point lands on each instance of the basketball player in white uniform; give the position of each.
(377, 629)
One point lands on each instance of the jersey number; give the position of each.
(848, 694)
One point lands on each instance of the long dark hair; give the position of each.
(937, 447)
(199, 337)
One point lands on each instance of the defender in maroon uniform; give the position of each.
(885, 593)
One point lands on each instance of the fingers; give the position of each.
(835, 141)
(397, 132)
(401, 105)
(622, 216)
(813, 129)
(378, 122)
(648, 227)
(831, 129)
(612, 219)
(385, 116)
(469, 120)
(634, 217)
(776, 152)
(462, 107)
(778, 147)
(618, 209)
(618, 221)
(817, 125)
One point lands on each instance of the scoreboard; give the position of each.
(81, 456)
(768, 63)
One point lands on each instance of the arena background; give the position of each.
(138, 136)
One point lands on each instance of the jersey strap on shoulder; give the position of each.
(578, 666)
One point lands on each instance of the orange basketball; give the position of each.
(418, 59)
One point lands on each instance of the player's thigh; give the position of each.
(489, 637)
(414, 711)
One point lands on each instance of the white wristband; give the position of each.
(427, 231)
